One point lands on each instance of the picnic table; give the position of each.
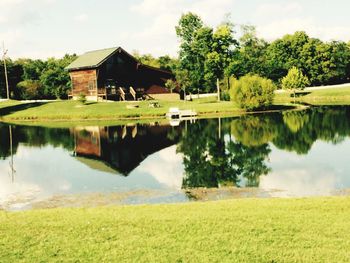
(154, 104)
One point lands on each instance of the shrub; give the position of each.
(29, 89)
(253, 92)
(295, 80)
(82, 98)
(225, 95)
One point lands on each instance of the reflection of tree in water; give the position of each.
(204, 155)
(237, 154)
(33, 136)
(252, 134)
(250, 161)
(295, 120)
(303, 128)
(254, 130)
(211, 160)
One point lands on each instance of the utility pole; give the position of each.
(5, 70)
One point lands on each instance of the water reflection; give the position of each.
(299, 152)
(120, 149)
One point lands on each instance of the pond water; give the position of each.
(286, 154)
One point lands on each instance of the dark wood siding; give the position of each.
(120, 70)
(84, 82)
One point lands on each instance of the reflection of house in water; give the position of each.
(120, 149)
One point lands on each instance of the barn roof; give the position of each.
(93, 59)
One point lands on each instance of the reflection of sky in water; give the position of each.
(47, 171)
(42, 172)
(322, 171)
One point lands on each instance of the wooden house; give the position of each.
(114, 74)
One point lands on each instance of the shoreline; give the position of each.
(159, 117)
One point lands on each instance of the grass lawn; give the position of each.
(245, 230)
(331, 96)
(15, 111)
(74, 110)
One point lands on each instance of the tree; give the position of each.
(284, 53)
(190, 55)
(253, 92)
(171, 85)
(250, 57)
(348, 65)
(55, 79)
(146, 59)
(183, 80)
(168, 63)
(32, 69)
(14, 74)
(204, 53)
(295, 80)
(220, 56)
(29, 89)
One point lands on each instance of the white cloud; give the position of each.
(160, 35)
(278, 19)
(81, 18)
(279, 28)
(170, 173)
(269, 10)
(300, 182)
(10, 36)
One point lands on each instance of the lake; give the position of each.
(284, 154)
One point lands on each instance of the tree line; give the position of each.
(205, 56)
(36, 79)
(208, 54)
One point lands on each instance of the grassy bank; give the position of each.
(74, 110)
(328, 96)
(249, 230)
(69, 111)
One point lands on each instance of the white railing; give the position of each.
(122, 93)
(133, 93)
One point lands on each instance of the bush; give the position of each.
(29, 89)
(295, 80)
(82, 98)
(253, 92)
(225, 95)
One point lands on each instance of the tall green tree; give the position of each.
(250, 57)
(204, 53)
(221, 53)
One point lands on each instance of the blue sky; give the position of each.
(44, 28)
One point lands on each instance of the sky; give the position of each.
(52, 28)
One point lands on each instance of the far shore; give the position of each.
(73, 112)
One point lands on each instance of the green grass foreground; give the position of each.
(244, 230)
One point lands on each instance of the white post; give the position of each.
(218, 88)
